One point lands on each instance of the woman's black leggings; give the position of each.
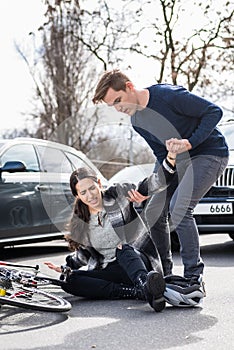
(105, 283)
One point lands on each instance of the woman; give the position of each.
(112, 241)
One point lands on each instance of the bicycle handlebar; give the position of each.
(6, 263)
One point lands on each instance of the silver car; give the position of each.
(36, 201)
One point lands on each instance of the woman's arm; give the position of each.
(53, 266)
(137, 195)
(171, 158)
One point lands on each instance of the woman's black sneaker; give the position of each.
(155, 287)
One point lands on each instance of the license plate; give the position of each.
(213, 209)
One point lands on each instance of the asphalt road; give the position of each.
(128, 324)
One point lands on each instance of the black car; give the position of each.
(36, 200)
(215, 211)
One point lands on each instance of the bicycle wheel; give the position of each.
(32, 298)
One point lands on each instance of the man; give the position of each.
(170, 118)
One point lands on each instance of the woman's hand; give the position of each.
(53, 267)
(135, 196)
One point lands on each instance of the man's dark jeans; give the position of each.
(195, 177)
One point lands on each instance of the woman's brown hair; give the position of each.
(80, 208)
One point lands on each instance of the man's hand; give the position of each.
(178, 146)
(135, 196)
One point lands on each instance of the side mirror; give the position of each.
(13, 167)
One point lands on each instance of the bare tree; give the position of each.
(81, 39)
(186, 54)
(13, 133)
(77, 43)
(110, 29)
(63, 75)
(189, 43)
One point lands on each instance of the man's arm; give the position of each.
(193, 106)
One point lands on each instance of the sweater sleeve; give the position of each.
(208, 114)
(209, 120)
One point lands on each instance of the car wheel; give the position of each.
(231, 235)
(175, 243)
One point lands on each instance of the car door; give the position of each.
(79, 159)
(21, 209)
(56, 170)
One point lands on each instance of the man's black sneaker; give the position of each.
(198, 281)
(184, 292)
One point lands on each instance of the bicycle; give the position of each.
(21, 288)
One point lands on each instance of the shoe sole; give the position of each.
(156, 286)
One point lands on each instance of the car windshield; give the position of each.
(228, 132)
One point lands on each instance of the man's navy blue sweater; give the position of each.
(172, 111)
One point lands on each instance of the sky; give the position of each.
(17, 19)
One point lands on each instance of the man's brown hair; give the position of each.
(114, 79)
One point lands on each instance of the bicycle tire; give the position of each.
(35, 299)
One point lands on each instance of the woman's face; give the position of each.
(89, 192)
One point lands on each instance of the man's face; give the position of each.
(123, 101)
